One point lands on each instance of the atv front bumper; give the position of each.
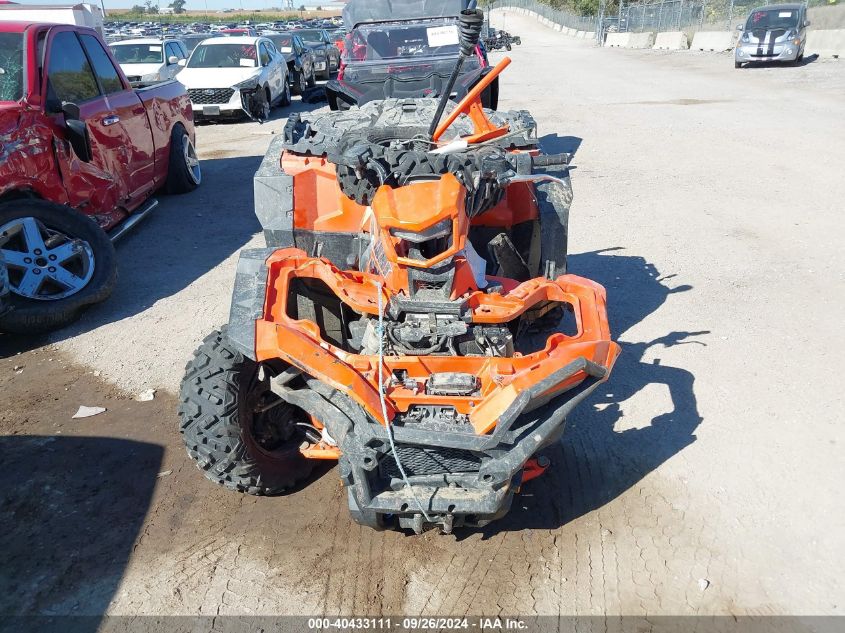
(459, 474)
(490, 466)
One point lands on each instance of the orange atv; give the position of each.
(411, 317)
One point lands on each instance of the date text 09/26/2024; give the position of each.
(412, 623)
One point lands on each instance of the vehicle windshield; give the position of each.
(11, 66)
(137, 53)
(772, 19)
(223, 56)
(432, 38)
(284, 43)
(314, 36)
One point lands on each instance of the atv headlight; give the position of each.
(441, 229)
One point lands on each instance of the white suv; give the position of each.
(230, 76)
(146, 60)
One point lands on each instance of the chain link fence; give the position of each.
(680, 15)
(685, 15)
(651, 15)
(558, 16)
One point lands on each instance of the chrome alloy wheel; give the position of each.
(191, 160)
(43, 263)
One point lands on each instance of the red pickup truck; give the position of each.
(81, 154)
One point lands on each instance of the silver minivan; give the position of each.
(773, 33)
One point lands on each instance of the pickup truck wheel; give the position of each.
(59, 261)
(184, 173)
(312, 79)
(238, 432)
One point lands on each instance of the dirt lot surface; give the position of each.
(704, 478)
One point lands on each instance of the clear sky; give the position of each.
(192, 5)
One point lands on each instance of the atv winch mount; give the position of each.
(412, 316)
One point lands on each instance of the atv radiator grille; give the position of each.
(207, 96)
(419, 460)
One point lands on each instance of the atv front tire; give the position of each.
(553, 202)
(217, 416)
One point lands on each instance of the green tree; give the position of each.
(137, 9)
(178, 6)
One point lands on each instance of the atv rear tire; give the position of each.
(218, 422)
(39, 313)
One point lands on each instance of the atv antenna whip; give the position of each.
(470, 21)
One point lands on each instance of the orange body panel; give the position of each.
(319, 204)
(298, 342)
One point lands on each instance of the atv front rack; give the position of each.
(503, 381)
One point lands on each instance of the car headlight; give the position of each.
(151, 77)
(247, 84)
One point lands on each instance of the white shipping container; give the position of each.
(82, 14)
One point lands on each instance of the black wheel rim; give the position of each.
(271, 425)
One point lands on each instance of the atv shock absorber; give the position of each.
(470, 23)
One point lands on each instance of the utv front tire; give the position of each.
(218, 423)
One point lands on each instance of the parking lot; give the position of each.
(703, 478)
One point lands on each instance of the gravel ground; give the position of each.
(705, 478)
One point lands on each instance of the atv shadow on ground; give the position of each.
(554, 144)
(594, 463)
(72, 507)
